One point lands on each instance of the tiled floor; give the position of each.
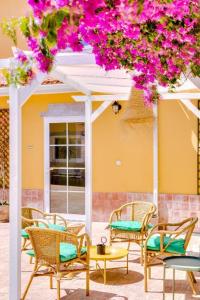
(119, 286)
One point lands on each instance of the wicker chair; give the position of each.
(139, 215)
(36, 217)
(57, 254)
(166, 240)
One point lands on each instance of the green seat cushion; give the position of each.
(53, 226)
(128, 225)
(176, 246)
(67, 252)
(25, 235)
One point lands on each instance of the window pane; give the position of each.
(58, 156)
(58, 134)
(76, 203)
(76, 156)
(76, 133)
(58, 179)
(59, 202)
(76, 179)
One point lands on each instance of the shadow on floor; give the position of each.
(94, 295)
(117, 278)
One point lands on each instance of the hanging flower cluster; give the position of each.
(155, 40)
(22, 70)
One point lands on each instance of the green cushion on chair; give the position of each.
(25, 235)
(67, 252)
(128, 225)
(177, 246)
(53, 226)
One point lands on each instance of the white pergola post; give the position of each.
(155, 154)
(88, 164)
(15, 195)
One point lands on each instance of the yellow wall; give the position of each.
(113, 139)
(177, 148)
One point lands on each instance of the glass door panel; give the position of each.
(76, 180)
(76, 203)
(67, 168)
(58, 202)
(76, 156)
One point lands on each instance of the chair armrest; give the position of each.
(84, 241)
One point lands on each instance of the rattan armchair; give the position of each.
(140, 214)
(166, 239)
(57, 254)
(35, 217)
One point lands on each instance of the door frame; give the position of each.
(58, 119)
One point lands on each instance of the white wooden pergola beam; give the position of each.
(15, 195)
(92, 70)
(155, 155)
(178, 96)
(58, 88)
(112, 89)
(74, 58)
(67, 80)
(26, 91)
(104, 80)
(88, 164)
(109, 98)
(191, 107)
(100, 110)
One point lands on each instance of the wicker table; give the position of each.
(111, 254)
(189, 264)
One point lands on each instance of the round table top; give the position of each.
(184, 263)
(111, 253)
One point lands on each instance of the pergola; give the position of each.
(77, 72)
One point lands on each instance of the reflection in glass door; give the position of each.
(67, 168)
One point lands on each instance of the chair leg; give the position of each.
(28, 286)
(87, 282)
(31, 259)
(51, 281)
(24, 244)
(191, 282)
(149, 272)
(58, 289)
(141, 254)
(192, 277)
(145, 271)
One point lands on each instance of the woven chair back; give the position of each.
(46, 244)
(26, 213)
(188, 228)
(137, 211)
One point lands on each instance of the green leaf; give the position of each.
(9, 28)
(24, 26)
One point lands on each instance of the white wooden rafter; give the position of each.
(26, 91)
(66, 79)
(100, 110)
(109, 98)
(191, 107)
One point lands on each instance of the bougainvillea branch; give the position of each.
(157, 39)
